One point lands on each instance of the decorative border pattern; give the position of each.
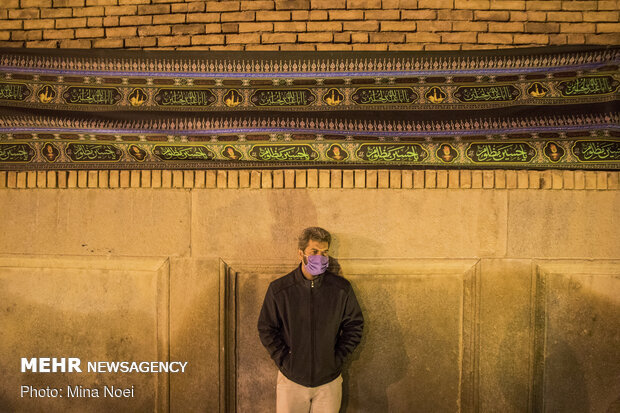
(522, 108)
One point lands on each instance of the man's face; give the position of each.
(314, 248)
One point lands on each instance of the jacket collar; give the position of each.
(318, 280)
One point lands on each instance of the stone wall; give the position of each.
(496, 294)
(307, 24)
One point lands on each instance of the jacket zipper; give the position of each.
(312, 331)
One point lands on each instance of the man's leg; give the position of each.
(291, 397)
(328, 397)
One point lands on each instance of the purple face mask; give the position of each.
(317, 264)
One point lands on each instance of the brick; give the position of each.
(70, 23)
(387, 37)
(607, 5)
(58, 34)
(257, 5)
(120, 31)
(101, 2)
(398, 26)
(564, 16)
(436, 4)
(573, 38)
(173, 41)
(188, 29)
(35, 24)
(543, 5)
(342, 37)
(82, 179)
(366, 26)
(601, 16)
(382, 15)
(470, 26)
(578, 27)
(458, 37)
(93, 32)
(169, 18)
(602, 39)
(154, 30)
(371, 178)
(420, 14)
(434, 26)
(289, 26)
(256, 27)
(273, 16)
(580, 5)
(454, 14)
(327, 4)
(444, 46)
(359, 37)
(542, 27)
(325, 26)
(226, 28)
(203, 17)
(32, 3)
(292, 4)
(314, 37)
(501, 16)
(495, 38)
(333, 47)
(223, 6)
(283, 37)
(242, 16)
(422, 38)
(243, 38)
(506, 27)
(123, 2)
(68, 3)
(108, 43)
(46, 44)
(507, 5)
(531, 16)
(363, 4)
(120, 10)
(17, 24)
(24, 14)
(88, 11)
(141, 42)
(558, 39)
(110, 21)
(135, 20)
(531, 38)
(600, 28)
(472, 4)
(346, 15)
(52, 13)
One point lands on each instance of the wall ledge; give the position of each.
(314, 178)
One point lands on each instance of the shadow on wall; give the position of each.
(581, 358)
(370, 392)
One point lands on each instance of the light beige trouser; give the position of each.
(295, 398)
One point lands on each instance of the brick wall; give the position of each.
(307, 24)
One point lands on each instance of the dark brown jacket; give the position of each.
(310, 327)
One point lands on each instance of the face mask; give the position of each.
(316, 264)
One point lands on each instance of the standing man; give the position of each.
(310, 322)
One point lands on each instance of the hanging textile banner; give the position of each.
(519, 108)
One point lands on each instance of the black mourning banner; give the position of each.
(533, 108)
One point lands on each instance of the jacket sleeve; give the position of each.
(270, 329)
(350, 328)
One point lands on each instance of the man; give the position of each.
(310, 322)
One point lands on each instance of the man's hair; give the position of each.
(315, 234)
